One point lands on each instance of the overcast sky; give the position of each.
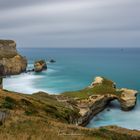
(71, 23)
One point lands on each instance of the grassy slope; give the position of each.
(39, 104)
(40, 116)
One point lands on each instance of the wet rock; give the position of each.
(52, 61)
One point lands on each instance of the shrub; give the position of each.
(9, 103)
(30, 111)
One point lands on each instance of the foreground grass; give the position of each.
(36, 128)
(39, 104)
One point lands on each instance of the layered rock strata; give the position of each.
(11, 62)
(128, 99)
(93, 106)
(96, 103)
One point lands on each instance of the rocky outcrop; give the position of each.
(3, 116)
(10, 61)
(52, 61)
(40, 65)
(95, 103)
(97, 80)
(7, 49)
(92, 106)
(128, 99)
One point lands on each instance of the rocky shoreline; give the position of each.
(95, 103)
(76, 107)
(98, 104)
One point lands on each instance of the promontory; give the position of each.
(11, 62)
(41, 116)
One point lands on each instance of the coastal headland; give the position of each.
(42, 116)
(11, 62)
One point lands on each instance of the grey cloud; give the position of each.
(6, 4)
(69, 23)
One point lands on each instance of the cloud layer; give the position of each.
(71, 23)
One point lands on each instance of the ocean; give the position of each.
(75, 68)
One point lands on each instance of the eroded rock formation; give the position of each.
(93, 99)
(91, 107)
(10, 60)
(128, 99)
(40, 65)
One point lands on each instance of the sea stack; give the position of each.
(11, 61)
(128, 99)
(40, 65)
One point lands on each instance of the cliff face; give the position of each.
(128, 99)
(11, 62)
(92, 106)
(93, 99)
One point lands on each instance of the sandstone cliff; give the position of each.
(128, 99)
(11, 62)
(93, 99)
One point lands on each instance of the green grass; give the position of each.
(107, 87)
(8, 103)
(39, 104)
(31, 111)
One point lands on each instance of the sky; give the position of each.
(71, 23)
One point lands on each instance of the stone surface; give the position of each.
(40, 65)
(97, 80)
(10, 60)
(94, 104)
(128, 99)
(7, 49)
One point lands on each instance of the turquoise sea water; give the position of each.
(76, 68)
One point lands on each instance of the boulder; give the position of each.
(40, 65)
(128, 99)
(52, 61)
(11, 61)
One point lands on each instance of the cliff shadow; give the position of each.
(114, 104)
